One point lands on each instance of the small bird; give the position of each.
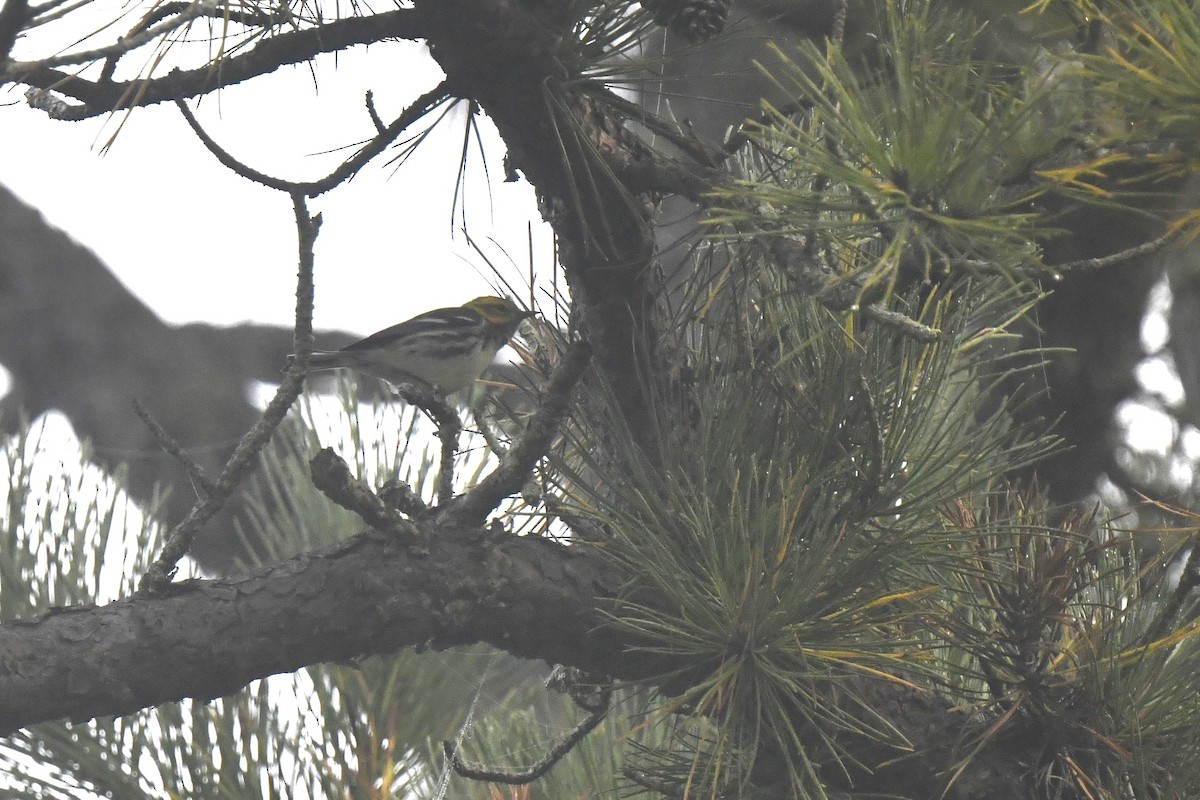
(445, 349)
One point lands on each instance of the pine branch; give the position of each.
(520, 459)
(348, 168)
(12, 20)
(1139, 251)
(533, 598)
(527, 775)
(240, 462)
(49, 84)
(168, 443)
(331, 475)
(133, 40)
(206, 638)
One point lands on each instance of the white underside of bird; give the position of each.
(405, 364)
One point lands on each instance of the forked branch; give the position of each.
(348, 168)
(50, 84)
(540, 767)
(179, 540)
(519, 461)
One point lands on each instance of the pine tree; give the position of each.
(778, 512)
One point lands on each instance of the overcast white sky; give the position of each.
(196, 242)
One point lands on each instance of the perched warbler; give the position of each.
(447, 348)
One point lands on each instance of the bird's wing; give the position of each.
(431, 321)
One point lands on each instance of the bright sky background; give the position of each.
(196, 242)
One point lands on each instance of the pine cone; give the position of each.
(700, 20)
(697, 20)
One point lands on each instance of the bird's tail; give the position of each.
(320, 359)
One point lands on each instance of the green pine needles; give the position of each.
(919, 158)
(786, 520)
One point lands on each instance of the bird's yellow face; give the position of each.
(497, 310)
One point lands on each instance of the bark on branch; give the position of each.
(273, 52)
(373, 594)
(208, 638)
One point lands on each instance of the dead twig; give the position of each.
(1088, 264)
(331, 475)
(542, 765)
(179, 540)
(519, 461)
(348, 168)
(167, 442)
(449, 427)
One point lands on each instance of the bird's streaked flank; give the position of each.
(445, 349)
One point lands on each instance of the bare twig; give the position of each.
(1146, 249)
(244, 16)
(123, 44)
(515, 466)
(489, 436)
(449, 427)
(541, 766)
(48, 12)
(331, 475)
(901, 323)
(376, 120)
(54, 106)
(228, 161)
(167, 442)
(268, 55)
(223, 12)
(423, 105)
(179, 540)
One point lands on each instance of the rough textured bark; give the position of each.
(371, 594)
(504, 56)
(205, 639)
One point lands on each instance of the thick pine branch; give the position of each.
(370, 594)
(510, 59)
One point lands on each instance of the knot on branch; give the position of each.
(331, 475)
